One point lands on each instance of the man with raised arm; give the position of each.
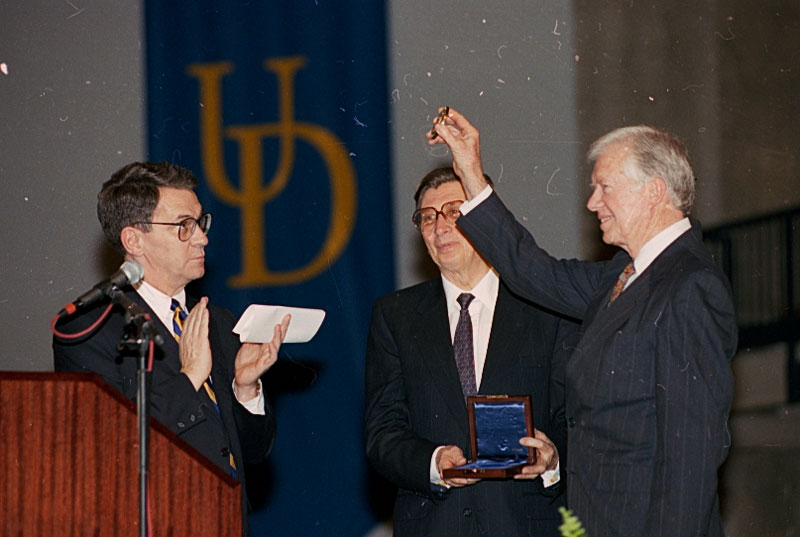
(649, 386)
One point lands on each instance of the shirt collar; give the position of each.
(157, 300)
(485, 291)
(659, 243)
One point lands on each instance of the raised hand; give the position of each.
(194, 349)
(463, 139)
(254, 359)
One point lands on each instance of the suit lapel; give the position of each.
(167, 351)
(219, 373)
(604, 320)
(432, 340)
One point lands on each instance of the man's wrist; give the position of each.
(256, 405)
(474, 182)
(248, 392)
(468, 205)
(194, 377)
(551, 477)
(435, 477)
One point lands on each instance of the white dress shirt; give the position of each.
(162, 305)
(481, 312)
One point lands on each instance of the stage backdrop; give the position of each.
(280, 108)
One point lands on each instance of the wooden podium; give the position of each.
(69, 466)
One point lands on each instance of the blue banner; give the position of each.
(280, 109)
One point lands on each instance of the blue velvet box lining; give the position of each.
(498, 428)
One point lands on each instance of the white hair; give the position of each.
(653, 153)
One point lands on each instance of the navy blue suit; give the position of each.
(173, 400)
(649, 387)
(414, 403)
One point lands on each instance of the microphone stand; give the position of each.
(139, 340)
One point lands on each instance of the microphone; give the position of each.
(129, 273)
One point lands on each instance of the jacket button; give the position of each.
(571, 422)
(224, 452)
(467, 512)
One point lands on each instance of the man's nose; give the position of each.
(593, 203)
(441, 224)
(199, 237)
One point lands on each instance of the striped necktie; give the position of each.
(627, 272)
(178, 317)
(463, 347)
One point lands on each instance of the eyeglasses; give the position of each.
(425, 217)
(186, 226)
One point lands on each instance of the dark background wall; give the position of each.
(725, 77)
(722, 75)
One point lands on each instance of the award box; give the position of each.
(496, 423)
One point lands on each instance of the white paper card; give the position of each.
(257, 323)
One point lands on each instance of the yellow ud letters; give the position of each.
(252, 195)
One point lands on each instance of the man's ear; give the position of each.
(657, 191)
(131, 239)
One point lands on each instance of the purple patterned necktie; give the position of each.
(462, 347)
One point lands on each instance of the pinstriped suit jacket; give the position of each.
(414, 404)
(649, 386)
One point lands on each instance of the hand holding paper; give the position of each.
(254, 359)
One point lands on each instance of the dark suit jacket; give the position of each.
(414, 403)
(649, 387)
(173, 400)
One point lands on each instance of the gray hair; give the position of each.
(653, 153)
(131, 195)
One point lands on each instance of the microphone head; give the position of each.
(133, 271)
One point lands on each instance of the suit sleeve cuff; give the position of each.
(254, 405)
(436, 479)
(551, 477)
(468, 205)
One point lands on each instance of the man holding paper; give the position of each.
(205, 385)
(416, 415)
